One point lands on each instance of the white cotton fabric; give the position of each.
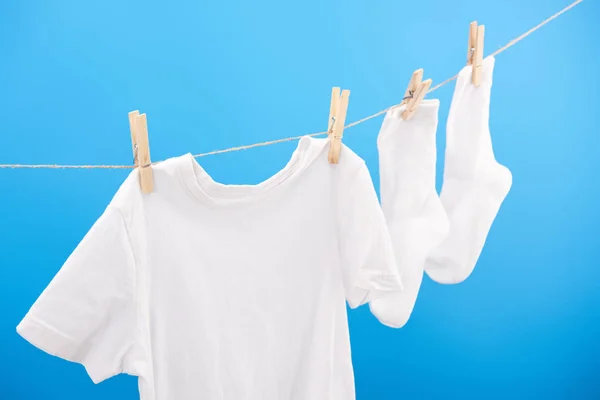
(224, 292)
(475, 184)
(415, 216)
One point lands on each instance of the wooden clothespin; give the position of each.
(475, 51)
(138, 126)
(337, 119)
(415, 92)
(333, 106)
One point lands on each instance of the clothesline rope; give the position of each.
(289, 139)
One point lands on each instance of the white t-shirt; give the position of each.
(224, 292)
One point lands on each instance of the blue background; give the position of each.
(212, 75)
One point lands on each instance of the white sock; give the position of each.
(414, 214)
(475, 185)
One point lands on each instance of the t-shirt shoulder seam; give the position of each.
(135, 283)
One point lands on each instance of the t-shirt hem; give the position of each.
(53, 342)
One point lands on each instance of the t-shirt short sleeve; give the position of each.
(368, 262)
(87, 312)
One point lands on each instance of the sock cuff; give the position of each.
(487, 72)
(427, 109)
(427, 112)
(421, 128)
